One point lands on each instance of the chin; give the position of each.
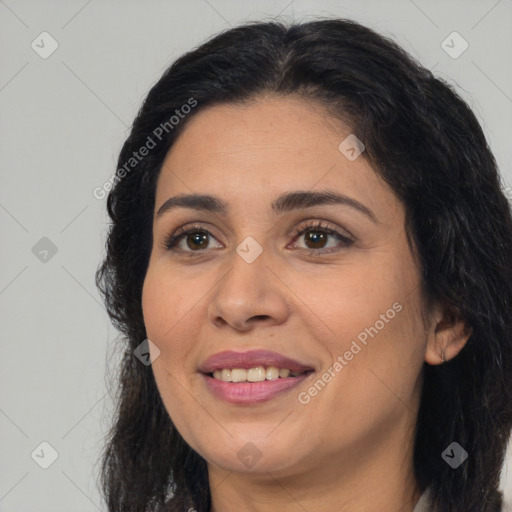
(251, 459)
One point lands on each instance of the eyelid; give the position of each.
(175, 237)
(318, 225)
(312, 224)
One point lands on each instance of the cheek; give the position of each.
(166, 311)
(366, 298)
(372, 320)
(375, 328)
(167, 317)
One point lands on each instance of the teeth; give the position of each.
(272, 373)
(238, 375)
(256, 374)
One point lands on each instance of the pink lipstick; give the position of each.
(253, 376)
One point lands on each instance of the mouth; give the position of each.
(252, 377)
(255, 374)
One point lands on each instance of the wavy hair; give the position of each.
(427, 144)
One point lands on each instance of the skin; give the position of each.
(350, 448)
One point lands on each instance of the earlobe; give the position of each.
(447, 337)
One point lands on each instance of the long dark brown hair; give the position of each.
(426, 143)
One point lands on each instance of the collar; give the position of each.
(423, 504)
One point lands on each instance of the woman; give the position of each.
(311, 247)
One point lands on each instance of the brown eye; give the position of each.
(197, 240)
(316, 239)
(321, 239)
(191, 240)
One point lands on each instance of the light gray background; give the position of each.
(63, 120)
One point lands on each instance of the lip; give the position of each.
(250, 359)
(248, 393)
(252, 392)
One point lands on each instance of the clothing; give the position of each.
(424, 503)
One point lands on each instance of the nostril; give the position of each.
(259, 317)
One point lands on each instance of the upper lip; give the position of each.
(251, 359)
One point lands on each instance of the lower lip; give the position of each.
(252, 392)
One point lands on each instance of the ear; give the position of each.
(447, 335)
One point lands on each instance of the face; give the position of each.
(299, 260)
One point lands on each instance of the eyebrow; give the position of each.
(284, 203)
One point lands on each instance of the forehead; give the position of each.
(263, 148)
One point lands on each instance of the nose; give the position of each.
(249, 294)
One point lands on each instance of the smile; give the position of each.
(253, 376)
(256, 374)
(247, 392)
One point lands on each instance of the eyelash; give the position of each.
(173, 239)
